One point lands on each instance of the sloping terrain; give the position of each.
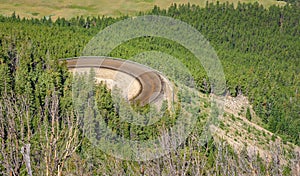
(234, 127)
(246, 135)
(71, 8)
(139, 83)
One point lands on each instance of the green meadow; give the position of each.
(71, 8)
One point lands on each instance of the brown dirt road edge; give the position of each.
(141, 84)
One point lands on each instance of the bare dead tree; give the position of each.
(57, 135)
(275, 167)
(61, 136)
(25, 150)
(295, 164)
(15, 133)
(184, 159)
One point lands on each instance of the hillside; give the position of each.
(68, 9)
(55, 123)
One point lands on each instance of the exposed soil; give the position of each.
(137, 82)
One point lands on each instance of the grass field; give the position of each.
(71, 8)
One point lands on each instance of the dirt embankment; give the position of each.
(138, 83)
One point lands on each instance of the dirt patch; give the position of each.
(137, 83)
(129, 86)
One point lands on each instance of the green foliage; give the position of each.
(248, 114)
(273, 138)
(232, 117)
(286, 170)
(259, 50)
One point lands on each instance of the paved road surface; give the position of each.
(150, 80)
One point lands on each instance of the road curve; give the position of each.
(150, 80)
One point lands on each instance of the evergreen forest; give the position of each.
(259, 49)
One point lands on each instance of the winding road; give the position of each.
(151, 86)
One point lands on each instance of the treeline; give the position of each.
(296, 2)
(259, 49)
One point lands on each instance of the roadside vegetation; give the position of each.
(258, 47)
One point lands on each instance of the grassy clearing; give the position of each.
(71, 8)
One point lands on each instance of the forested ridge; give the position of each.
(259, 49)
(292, 1)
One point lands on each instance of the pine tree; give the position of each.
(248, 114)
